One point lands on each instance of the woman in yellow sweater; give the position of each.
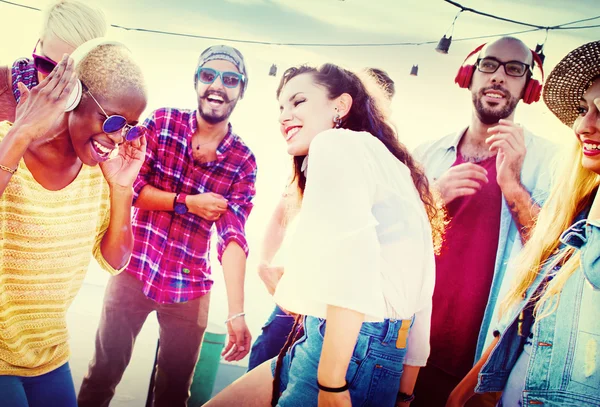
(58, 207)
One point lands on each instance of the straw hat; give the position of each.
(569, 80)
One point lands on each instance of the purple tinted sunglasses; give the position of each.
(44, 65)
(115, 122)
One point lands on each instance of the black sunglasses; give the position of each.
(512, 68)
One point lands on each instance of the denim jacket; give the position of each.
(437, 157)
(564, 368)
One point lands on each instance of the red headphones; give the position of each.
(533, 89)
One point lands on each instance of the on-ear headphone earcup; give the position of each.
(533, 91)
(74, 97)
(464, 75)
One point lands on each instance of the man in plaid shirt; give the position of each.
(197, 174)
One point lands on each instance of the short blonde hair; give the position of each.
(73, 22)
(109, 70)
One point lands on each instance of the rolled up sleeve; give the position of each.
(231, 226)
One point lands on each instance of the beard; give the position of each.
(215, 115)
(493, 115)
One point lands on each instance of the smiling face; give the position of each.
(216, 101)
(306, 111)
(91, 144)
(587, 127)
(495, 95)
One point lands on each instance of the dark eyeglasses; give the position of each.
(44, 65)
(115, 122)
(512, 68)
(229, 79)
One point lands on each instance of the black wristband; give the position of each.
(332, 389)
(404, 398)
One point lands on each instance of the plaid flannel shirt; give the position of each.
(24, 71)
(171, 252)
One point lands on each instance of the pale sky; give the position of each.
(426, 107)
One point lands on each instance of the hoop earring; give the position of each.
(337, 121)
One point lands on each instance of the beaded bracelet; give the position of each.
(7, 169)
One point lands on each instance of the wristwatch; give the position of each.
(179, 205)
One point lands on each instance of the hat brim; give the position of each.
(569, 80)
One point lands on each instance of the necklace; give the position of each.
(200, 145)
(203, 144)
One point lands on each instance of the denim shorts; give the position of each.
(272, 338)
(373, 373)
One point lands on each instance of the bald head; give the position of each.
(508, 49)
(496, 90)
(110, 71)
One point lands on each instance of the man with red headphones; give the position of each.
(492, 177)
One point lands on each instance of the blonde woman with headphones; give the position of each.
(66, 177)
(66, 24)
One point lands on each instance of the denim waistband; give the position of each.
(386, 331)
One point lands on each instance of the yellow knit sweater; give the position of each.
(47, 239)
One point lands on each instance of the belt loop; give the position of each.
(391, 331)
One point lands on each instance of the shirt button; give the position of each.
(186, 271)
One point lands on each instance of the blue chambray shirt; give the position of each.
(438, 156)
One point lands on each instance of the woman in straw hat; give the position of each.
(547, 347)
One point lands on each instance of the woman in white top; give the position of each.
(361, 267)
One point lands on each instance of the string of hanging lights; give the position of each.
(445, 42)
(443, 46)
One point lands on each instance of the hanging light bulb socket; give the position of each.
(444, 45)
(542, 56)
(539, 50)
(273, 70)
(445, 42)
